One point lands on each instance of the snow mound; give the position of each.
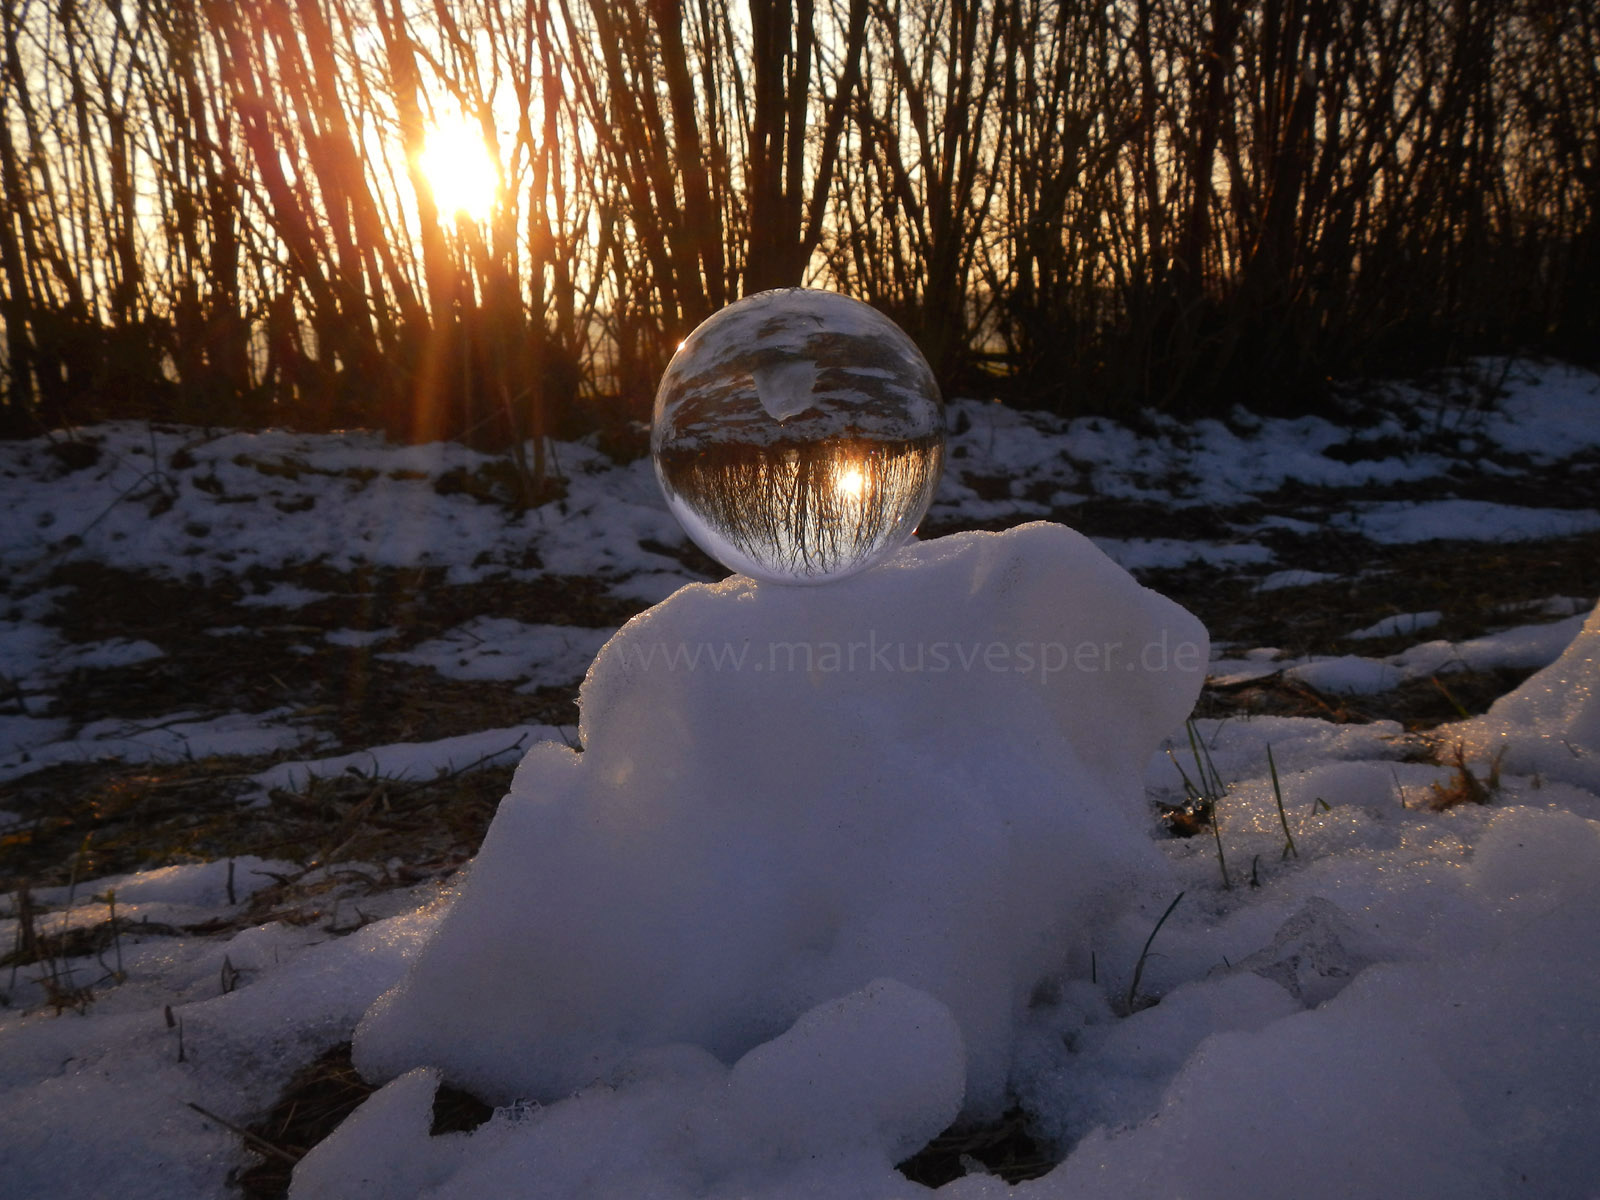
(1465, 1074)
(883, 1066)
(383, 1150)
(856, 1085)
(1550, 726)
(779, 802)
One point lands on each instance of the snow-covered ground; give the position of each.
(780, 923)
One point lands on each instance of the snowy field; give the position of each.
(814, 878)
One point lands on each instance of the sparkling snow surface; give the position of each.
(1406, 1008)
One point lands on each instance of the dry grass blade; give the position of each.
(1464, 787)
(254, 1141)
(1138, 969)
(1210, 792)
(1277, 794)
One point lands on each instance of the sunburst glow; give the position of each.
(851, 482)
(459, 169)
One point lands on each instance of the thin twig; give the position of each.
(254, 1141)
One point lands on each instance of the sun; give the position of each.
(459, 170)
(850, 482)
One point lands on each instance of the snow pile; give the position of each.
(1463, 1073)
(928, 774)
(1551, 724)
(866, 1080)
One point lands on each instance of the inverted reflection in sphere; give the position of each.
(798, 436)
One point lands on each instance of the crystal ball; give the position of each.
(798, 436)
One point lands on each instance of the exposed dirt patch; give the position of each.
(1476, 587)
(87, 820)
(1418, 704)
(1004, 1147)
(219, 654)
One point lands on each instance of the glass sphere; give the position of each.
(798, 436)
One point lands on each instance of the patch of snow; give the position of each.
(1143, 554)
(1230, 672)
(22, 733)
(1397, 624)
(35, 655)
(178, 737)
(1551, 606)
(602, 524)
(1551, 724)
(116, 652)
(1291, 579)
(411, 760)
(1397, 523)
(1352, 674)
(652, 587)
(358, 637)
(99, 1104)
(502, 648)
(1291, 524)
(283, 595)
(1346, 674)
(1549, 413)
(1522, 646)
